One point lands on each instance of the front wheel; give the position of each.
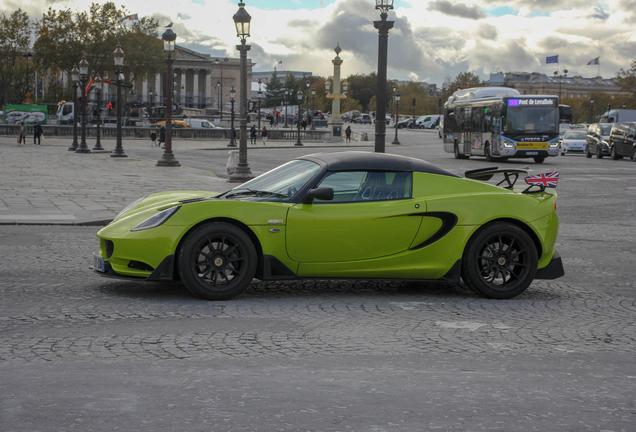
(217, 261)
(539, 159)
(613, 154)
(500, 261)
(587, 152)
(488, 154)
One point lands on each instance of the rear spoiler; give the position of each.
(538, 183)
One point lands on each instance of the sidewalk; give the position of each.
(51, 185)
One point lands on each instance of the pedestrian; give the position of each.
(37, 133)
(253, 135)
(153, 138)
(304, 124)
(348, 134)
(22, 136)
(264, 134)
(162, 135)
(271, 121)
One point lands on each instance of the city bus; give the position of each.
(499, 122)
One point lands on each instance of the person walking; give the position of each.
(37, 133)
(253, 135)
(271, 121)
(162, 135)
(264, 134)
(153, 138)
(22, 136)
(348, 134)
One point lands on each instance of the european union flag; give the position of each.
(553, 59)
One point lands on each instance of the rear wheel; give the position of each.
(500, 261)
(217, 261)
(539, 159)
(458, 155)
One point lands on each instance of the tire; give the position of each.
(487, 153)
(587, 152)
(599, 152)
(217, 261)
(613, 154)
(539, 159)
(458, 155)
(500, 261)
(634, 154)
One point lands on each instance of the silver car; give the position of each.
(574, 141)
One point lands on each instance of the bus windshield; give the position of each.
(531, 119)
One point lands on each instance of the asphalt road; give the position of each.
(79, 352)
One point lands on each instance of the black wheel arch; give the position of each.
(238, 224)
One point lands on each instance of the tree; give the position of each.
(362, 88)
(463, 80)
(626, 80)
(275, 93)
(63, 37)
(15, 33)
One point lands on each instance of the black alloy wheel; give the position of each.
(500, 261)
(217, 261)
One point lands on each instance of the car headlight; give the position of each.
(508, 143)
(129, 206)
(555, 143)
(156, 220)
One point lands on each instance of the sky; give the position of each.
(432, 40)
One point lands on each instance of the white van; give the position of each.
(200, 124)
(427, 121)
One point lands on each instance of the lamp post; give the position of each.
(310, 116)
(560, 75)
(414, 105)
(26, 55)
(83, 148)
(118, 58)
(98, 90)
(242, 21)
(396, 141)
(383, 27)
(150, 95)
(232, 131)
(313, 108)
(286, 106)
(299, 95)
(75, 77)
(591, 109)
(260, 96)
(167, 159)
(220, 85)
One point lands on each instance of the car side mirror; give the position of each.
(323, 194)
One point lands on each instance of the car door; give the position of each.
(369, 217)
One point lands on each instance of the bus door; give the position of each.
(496, 135)
(467, 130)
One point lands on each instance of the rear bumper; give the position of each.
(553, 270)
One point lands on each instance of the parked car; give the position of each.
(496, 239)
(176, 124)
(598, 140)
(622, 140)
(573, 141)
(408, 123)
(363, 119)
(200, 124)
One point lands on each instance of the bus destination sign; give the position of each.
(531, 102)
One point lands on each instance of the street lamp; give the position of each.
(383, 27)
(232, 132)
(83, 76)
(299, 95)
(242, 22)
(75, 77)
(220, 86)
(167, 159)
(591, 109)
(260, 96)
(286, 106)
(150, 95)
(118, 58)
(393, 102)
(98, 90)
(313, 108)
(560, 75)
(396, 141)
(26, 55)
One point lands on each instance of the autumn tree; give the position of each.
(15, 32)
(626, 80)
(463, 80)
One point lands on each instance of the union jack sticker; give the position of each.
(544, 180)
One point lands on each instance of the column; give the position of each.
(158, 90)
(182, 87)
(144, 90)
(195, 88)
(208, 87)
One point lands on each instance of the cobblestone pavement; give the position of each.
(82, 352)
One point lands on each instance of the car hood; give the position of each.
(163, 200)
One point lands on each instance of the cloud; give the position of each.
(460, 10)
(183, 16)
(487, 31)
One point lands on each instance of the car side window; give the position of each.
(366, 186)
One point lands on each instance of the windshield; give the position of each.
(606, 129)
(531, 116)
(578, 135)
(279, 184)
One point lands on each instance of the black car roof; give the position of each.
(360, 160)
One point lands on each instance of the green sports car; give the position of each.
(346, 215)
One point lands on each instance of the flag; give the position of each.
(552, 59)
(280, 62)
(133, 17)
(544, 180)
(594, 62)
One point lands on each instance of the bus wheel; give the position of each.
(458, 155)
(539, 159)
(487, 153)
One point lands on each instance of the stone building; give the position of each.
(572, 87)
